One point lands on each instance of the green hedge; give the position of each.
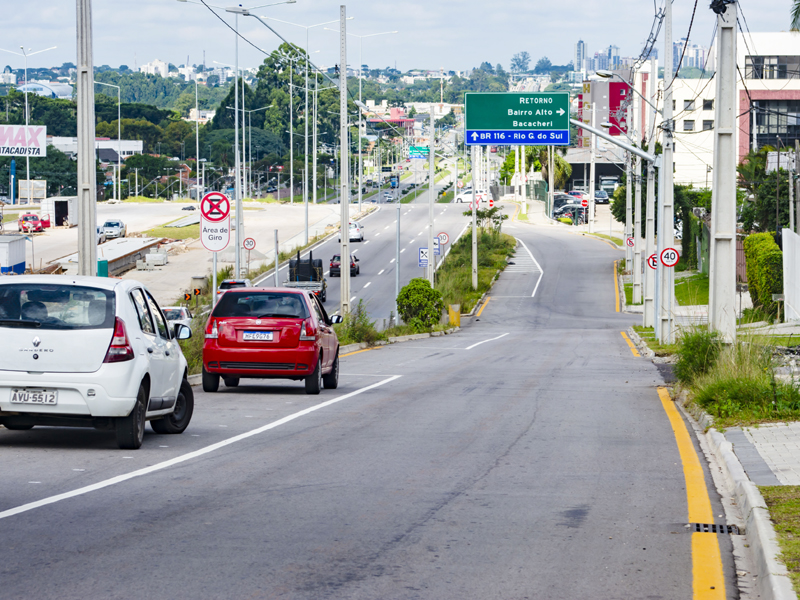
(764, 270)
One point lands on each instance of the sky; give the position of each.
(431, 34)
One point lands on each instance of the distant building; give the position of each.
(157, 67)
(203, 117)
(69, 145)
(579, 57)
(48, 89)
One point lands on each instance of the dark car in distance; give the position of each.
(336, 266)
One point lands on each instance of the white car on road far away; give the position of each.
(178, 314)
(467, 196)
(90, 352)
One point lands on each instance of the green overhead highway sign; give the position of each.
(517, 118)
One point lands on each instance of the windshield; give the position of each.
(111, 224)
(53, 306)
(261, 305)
(600, 194)
(30, 218)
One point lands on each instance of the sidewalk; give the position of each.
(770, 454)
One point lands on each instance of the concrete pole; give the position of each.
(524, 183)
(592, 145)
(291, 133)
(87, 185)
(237, 188)
(637, 232)
(629, 194)
(551, 155)
(361, 124)
(431, 198)
(648, 318)
(314, 149)
(791, 196)
(397, 266)
(722, 265)
(666, 202)
(305, 140)
(344, 192)
(277, 260)
(516, 174)
(198, 188)
(796, 185)
(475, 163)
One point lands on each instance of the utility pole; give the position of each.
(628, 193)
(648, 318)
(796, 185)
(524, 183)
(237, 188)
(431, 198)
(791, 196)
(666, 222)
(344, 195)
(291, 134)
(397, 267)
(592, 144)
(722, 267)
(87, 185)
(475, 162)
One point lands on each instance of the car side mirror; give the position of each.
(182, 332)
(336, 319)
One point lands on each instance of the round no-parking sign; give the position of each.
(652, 261)
(215, 207)
(669, 257)
(629, 242)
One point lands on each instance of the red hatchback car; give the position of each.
(270, 333)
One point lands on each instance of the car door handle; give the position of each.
(150, 350)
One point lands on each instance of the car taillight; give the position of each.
(120, 349)
(307, 331)
(212, 333)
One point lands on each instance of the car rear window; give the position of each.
(229, 285)
(173, 314)
(54, 306)
(261, 305)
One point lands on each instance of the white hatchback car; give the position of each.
(90, 352)
(356, 232)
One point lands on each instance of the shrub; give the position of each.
(697, 353)
(419, 304)
(764, 270)
(357, 327)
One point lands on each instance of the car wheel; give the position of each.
(331, 380)
(210, 381)
(231, 381)
(178, 421)
(324, 296)
(130, 429)
(314, 381)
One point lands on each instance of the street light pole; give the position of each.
(344, 195)
(431, 198)
(87, 173)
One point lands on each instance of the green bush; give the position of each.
(357, 327)
(698, 351)
(764, 270)
(419, 304)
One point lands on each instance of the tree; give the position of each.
(412, 112)
(543, 66)
(420, 305)
(520, 62)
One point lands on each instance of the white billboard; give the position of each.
(22, 140)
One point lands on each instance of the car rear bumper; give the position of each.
(290, 363)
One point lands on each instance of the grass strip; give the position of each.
(692, 290)
(649, 337)
(783, 502)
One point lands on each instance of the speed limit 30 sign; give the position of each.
(249, 244)
(669, 257)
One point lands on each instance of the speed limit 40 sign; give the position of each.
(669, 257)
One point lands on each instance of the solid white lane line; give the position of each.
(541, 272)
(381, 271)
(366, 285)
(484, 341)
(185, 457)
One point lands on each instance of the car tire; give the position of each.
(210, 381)
(314, 381)
(13, 427)
(130, 429)
(231, 382)
(331, 380)
(178, 420)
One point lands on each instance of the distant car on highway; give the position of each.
(178, 315)
(465, 197)
(270, 333)
(230, 284)
(336, 265)
(30, 222)
(90, 352)
(190, 207)
(601, 197)
(115, 228)
(356, 232)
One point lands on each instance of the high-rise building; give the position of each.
(580, 56)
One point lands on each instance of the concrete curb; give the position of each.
(771, 581)
(195, 380)
(643, 348)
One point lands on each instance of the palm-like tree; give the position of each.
(795, 15)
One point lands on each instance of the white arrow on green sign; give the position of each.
(517, 118)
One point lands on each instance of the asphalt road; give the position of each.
(527, 456)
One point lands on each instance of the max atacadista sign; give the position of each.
(517, 118)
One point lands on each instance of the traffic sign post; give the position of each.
(437, 248)
(517, 118)
(460, 184)
(248, 244)
(423, 258)
(443, 238)
(669, 257)
(215, 229)
(652, 261)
